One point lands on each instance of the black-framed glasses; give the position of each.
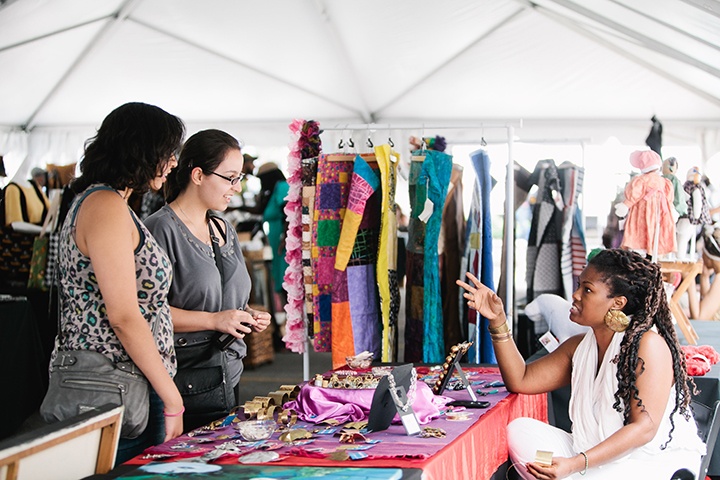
(232, 180)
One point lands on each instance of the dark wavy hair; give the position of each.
(629, 274)
(205, 149)
(132, 146)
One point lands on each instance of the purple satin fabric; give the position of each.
(316, 404)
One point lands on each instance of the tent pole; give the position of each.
(510, 230)
(306, 361)
(387, 126)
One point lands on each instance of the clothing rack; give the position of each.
(509, 239)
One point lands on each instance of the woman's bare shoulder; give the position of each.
(653, 347)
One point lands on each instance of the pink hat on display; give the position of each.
(645, 160)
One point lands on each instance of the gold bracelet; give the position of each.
(501, 338)
(501, 335)
(504, 328)
(584, 471)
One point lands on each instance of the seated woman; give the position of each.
(630, 389)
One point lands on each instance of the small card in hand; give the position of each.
(543, 458)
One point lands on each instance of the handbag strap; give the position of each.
(215, 240)
(50, 223)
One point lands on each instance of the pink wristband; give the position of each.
(175, 414)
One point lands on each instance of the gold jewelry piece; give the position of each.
(501, 338)
(504, 328)
(616, 320)
(251, 409)
(293, 390)
(279, 397)
(429, 432)
(263, 401)
(501, 335)
(266, 413)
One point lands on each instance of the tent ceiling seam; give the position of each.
(648, 42)
(113, 21)
(344, 57)
(245, 65)
(451, 59)
(667, 25)
(53, 33)
(611, 46)
(708, 6)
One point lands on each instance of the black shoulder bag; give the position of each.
(202, 377)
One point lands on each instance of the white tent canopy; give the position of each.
(563, 68)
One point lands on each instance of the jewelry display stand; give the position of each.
(452, 363)
(395, 394)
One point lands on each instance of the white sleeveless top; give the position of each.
(591, 404)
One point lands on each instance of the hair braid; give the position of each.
(640, 281)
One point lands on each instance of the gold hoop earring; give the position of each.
(616, 320)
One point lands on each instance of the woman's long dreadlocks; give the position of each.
(629, 274)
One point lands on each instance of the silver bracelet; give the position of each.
(584, 471)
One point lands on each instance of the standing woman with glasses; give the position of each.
(209, 293)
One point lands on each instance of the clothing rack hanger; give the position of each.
(508, 239)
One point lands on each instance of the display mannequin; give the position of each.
(648, 208)
(697, 214)
(669, 167)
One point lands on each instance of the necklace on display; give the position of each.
(410, 394)
(206, 242)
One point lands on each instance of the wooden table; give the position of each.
(688, 271)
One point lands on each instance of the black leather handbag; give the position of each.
(203, 382)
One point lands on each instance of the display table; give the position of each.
(471, 449)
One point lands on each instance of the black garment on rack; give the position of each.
(544, 243)
(654, 139)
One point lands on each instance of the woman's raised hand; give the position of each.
(482, 299)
